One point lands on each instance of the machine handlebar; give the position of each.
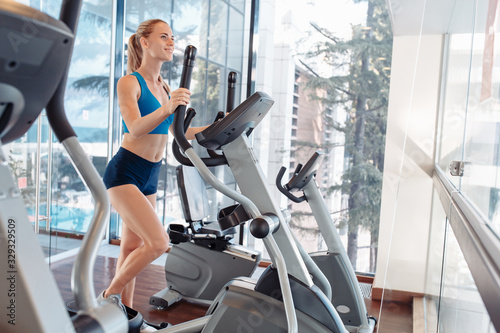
(301, 176)
(181, 121)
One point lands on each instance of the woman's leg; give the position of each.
(129, 242)
(138, 213)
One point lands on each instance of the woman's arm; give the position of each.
(191, 131)
(129, 90)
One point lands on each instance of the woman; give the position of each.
(147, 105)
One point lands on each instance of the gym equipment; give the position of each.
(284, 299)
(202, 259)
(34, 60)
(334, 262)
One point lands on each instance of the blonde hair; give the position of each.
(135, 50)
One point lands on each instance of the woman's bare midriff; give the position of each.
(150, 146)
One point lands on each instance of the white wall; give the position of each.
(409, 163)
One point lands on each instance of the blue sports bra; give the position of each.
(148, 103)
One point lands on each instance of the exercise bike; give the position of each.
(334, 262)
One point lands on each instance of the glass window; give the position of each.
(235, 40)
(139, 11)
(435, 256)
(481, 182)
(203, 24)
(190, 24)
(238, 5)
(199, 82)
(457, 85)
(215, 97)
(58, 202)
(318, 74)
(30, 163)
(217, 31)
(86, 102)
(469, 124)
(461, 308)
(470, 134)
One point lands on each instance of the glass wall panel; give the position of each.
(190, 24)
(235, 40)
(140, 11)
(23, 158)
(456, 86)
(215, 97)
(318, 66)
(58, 202)
(461, 308)
(86, 102)
(481, 181)
(203, 24)
(435, 259)
(238, 4)
(469, 133)
(218, 26)
(199, 85)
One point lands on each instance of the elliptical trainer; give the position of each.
(203, 258)
(34, 61)
(334, 262)
(285, 298)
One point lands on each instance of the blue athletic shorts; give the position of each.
(128, 168)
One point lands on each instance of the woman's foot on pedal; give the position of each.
(113, 298)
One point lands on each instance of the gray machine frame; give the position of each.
(194, 269)
(34, 60)
(334, 262)
(255, 187)
(238, 303)
(203, 258)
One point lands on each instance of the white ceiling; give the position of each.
(412, 17)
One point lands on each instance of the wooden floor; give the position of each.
(395, 317)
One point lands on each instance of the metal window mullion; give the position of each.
(441, 108)
(49, 177)
(207, 53)
(116, 69)
(37, 173)
(467, 98)
(252, 51)
(115, 72)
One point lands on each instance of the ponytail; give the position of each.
(134, 54)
